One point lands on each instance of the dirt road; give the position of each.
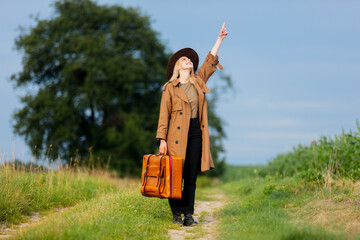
(205, 214)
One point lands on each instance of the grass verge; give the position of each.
(274, 208)
(124, 214)
(24, 191)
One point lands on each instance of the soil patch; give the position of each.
(35, 218)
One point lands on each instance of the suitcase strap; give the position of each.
(145, 173)
(163, 173)
(171, 176)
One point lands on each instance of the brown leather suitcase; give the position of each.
(161, 176)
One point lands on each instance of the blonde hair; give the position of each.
(176, 73)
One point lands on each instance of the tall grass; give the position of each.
(311, 192)
(257, 209)
(119, 215)
(338, 156)
(27, 189)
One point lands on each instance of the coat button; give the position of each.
(178, 127)
(180, 113)
(176, 142)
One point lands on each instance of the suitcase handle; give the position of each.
(162, 153)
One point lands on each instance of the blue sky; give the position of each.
(295, 67)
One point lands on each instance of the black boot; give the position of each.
(189, 220)
(177, 218)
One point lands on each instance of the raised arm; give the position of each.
(212, 60)
(221, 36)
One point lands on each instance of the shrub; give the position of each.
(338, 156)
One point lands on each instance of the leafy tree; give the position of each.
(97, 72)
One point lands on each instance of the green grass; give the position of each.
(104, 207)
(311, 192)
(234, 173)
(260, 206)
(123, 214)
(271, 208)
(24, 191)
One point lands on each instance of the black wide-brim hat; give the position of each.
(188, 52)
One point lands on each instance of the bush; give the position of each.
(276, 190)
(338, 156)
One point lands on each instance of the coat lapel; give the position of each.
(179, 91)
(181, 94)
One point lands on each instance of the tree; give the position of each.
(98, 71)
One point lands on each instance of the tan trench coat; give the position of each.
(175, 114)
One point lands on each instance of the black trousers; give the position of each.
(190, 171)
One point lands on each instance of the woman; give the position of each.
(183, 121)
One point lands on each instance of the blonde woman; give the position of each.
(183, 122)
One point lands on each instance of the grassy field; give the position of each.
(311, 192)
(257, 208)
(25, 190)
(94, 204)
(290, 208)
(119, 215)
(317, 198)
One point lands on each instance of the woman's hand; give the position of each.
(223, 32)
(163, 146)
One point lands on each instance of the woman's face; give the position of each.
(185, 63)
